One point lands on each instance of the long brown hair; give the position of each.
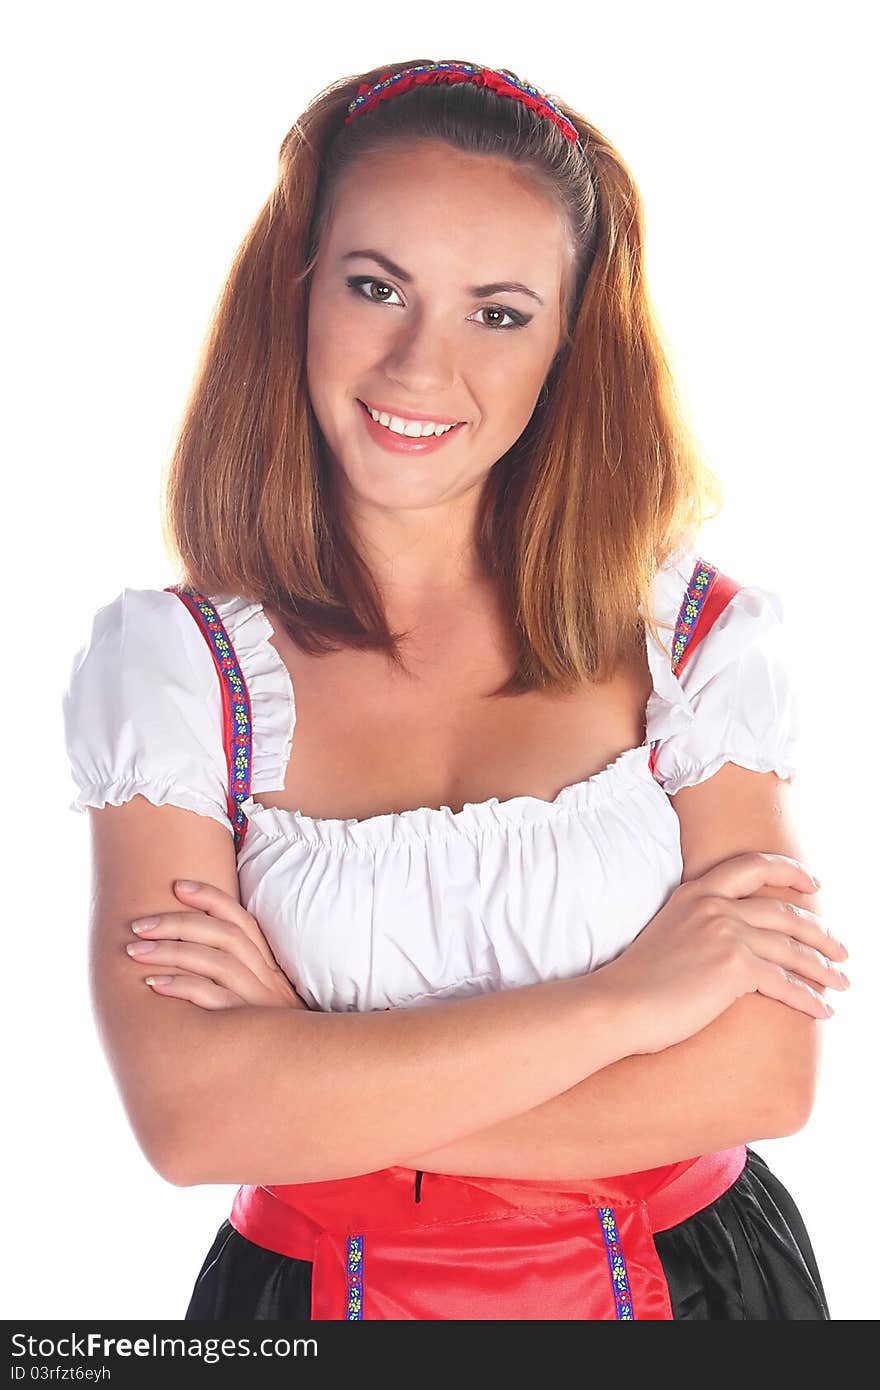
(574, 520)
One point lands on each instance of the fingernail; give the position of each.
(816, 881)
(140, 948)
(186, 885)
(158, 979)
(145, 923)
(828, 1009)
(845, 978)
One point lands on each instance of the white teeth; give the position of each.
(414, 429)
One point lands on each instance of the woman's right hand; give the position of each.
(711, 943)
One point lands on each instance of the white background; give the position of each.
(140, 141)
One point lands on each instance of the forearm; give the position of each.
(288, 1095)
(749, 1075)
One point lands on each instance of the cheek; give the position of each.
(510, 370)
(510, 383)
(323, 329)
(330, 364)
(342, 347)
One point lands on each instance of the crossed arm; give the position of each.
(199, 1086)
(750, 1075)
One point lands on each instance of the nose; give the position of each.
(421, 359)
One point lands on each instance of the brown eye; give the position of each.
(517, 320)
(365, 285)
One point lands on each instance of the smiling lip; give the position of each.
(406, 443)
(408, 414)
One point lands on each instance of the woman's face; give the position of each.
(413, 310)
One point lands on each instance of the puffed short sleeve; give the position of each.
(142, 709)
(734, 699)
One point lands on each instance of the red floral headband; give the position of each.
(502, 83)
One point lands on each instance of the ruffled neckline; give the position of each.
(273, 712)
(619, 781)
(273, 717)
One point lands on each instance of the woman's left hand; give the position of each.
(213, 954)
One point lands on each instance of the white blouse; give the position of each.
(402, 908)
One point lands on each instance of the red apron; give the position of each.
(399, 1244)
(473, 1247)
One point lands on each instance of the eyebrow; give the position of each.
(478, 291)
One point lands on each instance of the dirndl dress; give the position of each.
(717, 1237)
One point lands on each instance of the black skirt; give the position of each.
(746, 1256)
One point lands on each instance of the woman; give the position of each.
(478, 767)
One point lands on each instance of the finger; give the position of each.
(198, 928)
(220, 966)
(791, 954)
(209, 931)
(194, 988)
(776, 914)
(213, 900)
(744, 873)
(776, 983)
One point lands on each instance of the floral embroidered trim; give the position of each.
(692, 605)
(616, 1264)
(237, 722)
(355, 1274)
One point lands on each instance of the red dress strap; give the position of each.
(707, 595)
(237, 721)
